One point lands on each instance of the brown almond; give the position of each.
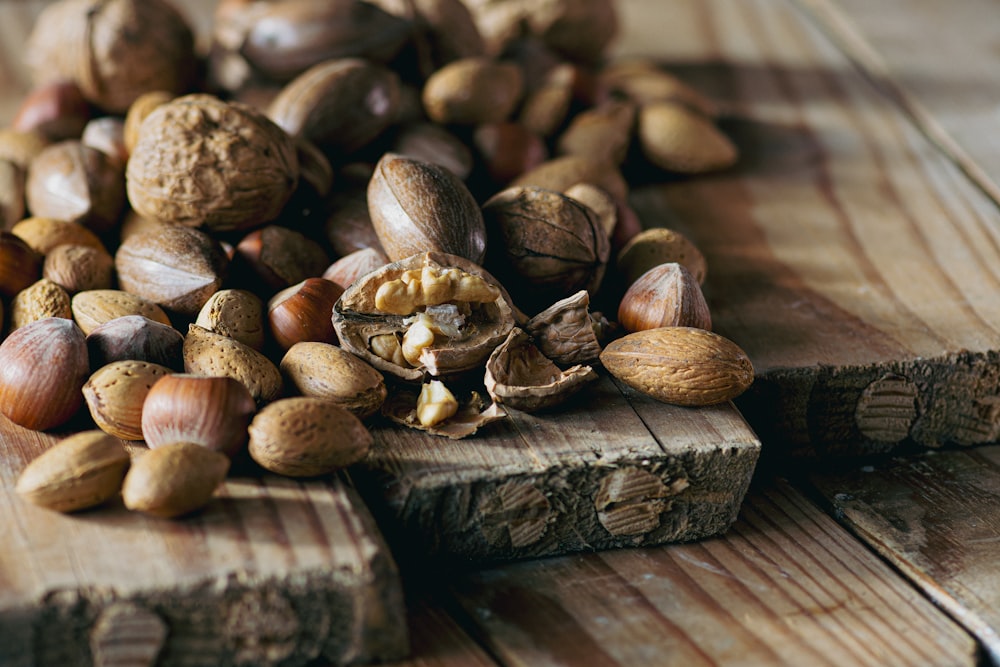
(305, 437)
(326, 371)
(95, 307)
(174, 480)
(676, 139)
(81, 471)
(680, 365)
(236, 313)
(43, 234)
(212, 354)
(114, 394)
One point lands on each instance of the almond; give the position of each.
(174, 480)
(212, 354)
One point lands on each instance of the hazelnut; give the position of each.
(12, 188)
(303, 312)
(278, 257)
(350, 267)
(43, 367)
(20, 265)
(57, 110)
(508, 150)
(211, 411)
(665, 296)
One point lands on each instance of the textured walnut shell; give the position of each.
(680, 365)
(357, 321)
(81, 471)
(339, 105)
(280, 40)
(566, 332)
(175, 267)
(76, 183)
(202, 162)
(546, 243)
(114, 394)
(471, 91)
(43, 366)
(115, 50)
(322, 370)
(39, 300)
(305, 436)
(665, 296)
(420, 207)
(519, 376)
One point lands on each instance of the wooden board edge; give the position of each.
(829, 413)
(666, 498)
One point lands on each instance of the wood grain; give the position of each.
(273, 571)
(786, 586)
(935, 518)
(845, 251)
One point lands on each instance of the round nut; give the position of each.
(326, 371)
(57, 110)
(340, 105)
(115, 393)
(563, 172)
(77, 268)
(20, 265)
(303, 312)
(174, 479)
(177, 268)
(665, 296)
(81, 471)
(107, 134)
(419, 207)
(509, 149)
(20, 147)
(87, 41)
(12, 185)
(137, 112)
(680, 365)
(306, 437)
(43, 366)
(213, 412)
(200, 161)
(428, 142)
(277, 257)
(39, 300)
(471, 91)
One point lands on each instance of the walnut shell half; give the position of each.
(202, 162)
(519, 376)
(460, 334)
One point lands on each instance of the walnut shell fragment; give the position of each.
(567, 332)
(202, 162)
(444, 312)
(519, 376)
(472, 414)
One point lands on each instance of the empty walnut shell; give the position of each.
(358, 321)
(115, 50)
(566, 332)
(202, 162)
(519, 376)
(420, 207)
(546, 242)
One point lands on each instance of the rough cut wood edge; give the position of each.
(785, 586)
(855, 411)
(343, 616)
(674, 495)
(934, 517)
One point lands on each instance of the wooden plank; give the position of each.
(786, 586)
(950, 89)
(613, 469)
(935, 518)
(273, 571)
(856, 264)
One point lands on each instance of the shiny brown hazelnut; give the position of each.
(665, 296)
(57, 110)
(303, 312)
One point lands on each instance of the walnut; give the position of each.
(115, 50)
(519, 376)
(471, 412)
(202, 162)
(566, 332)
(448, 329)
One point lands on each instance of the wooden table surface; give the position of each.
(855, 253)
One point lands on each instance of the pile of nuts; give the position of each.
(345, 211)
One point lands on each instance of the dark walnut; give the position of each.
(546, 243)
(430, 314)
(115, 50)
(519, 376)
(202, 162)
(419, 207)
